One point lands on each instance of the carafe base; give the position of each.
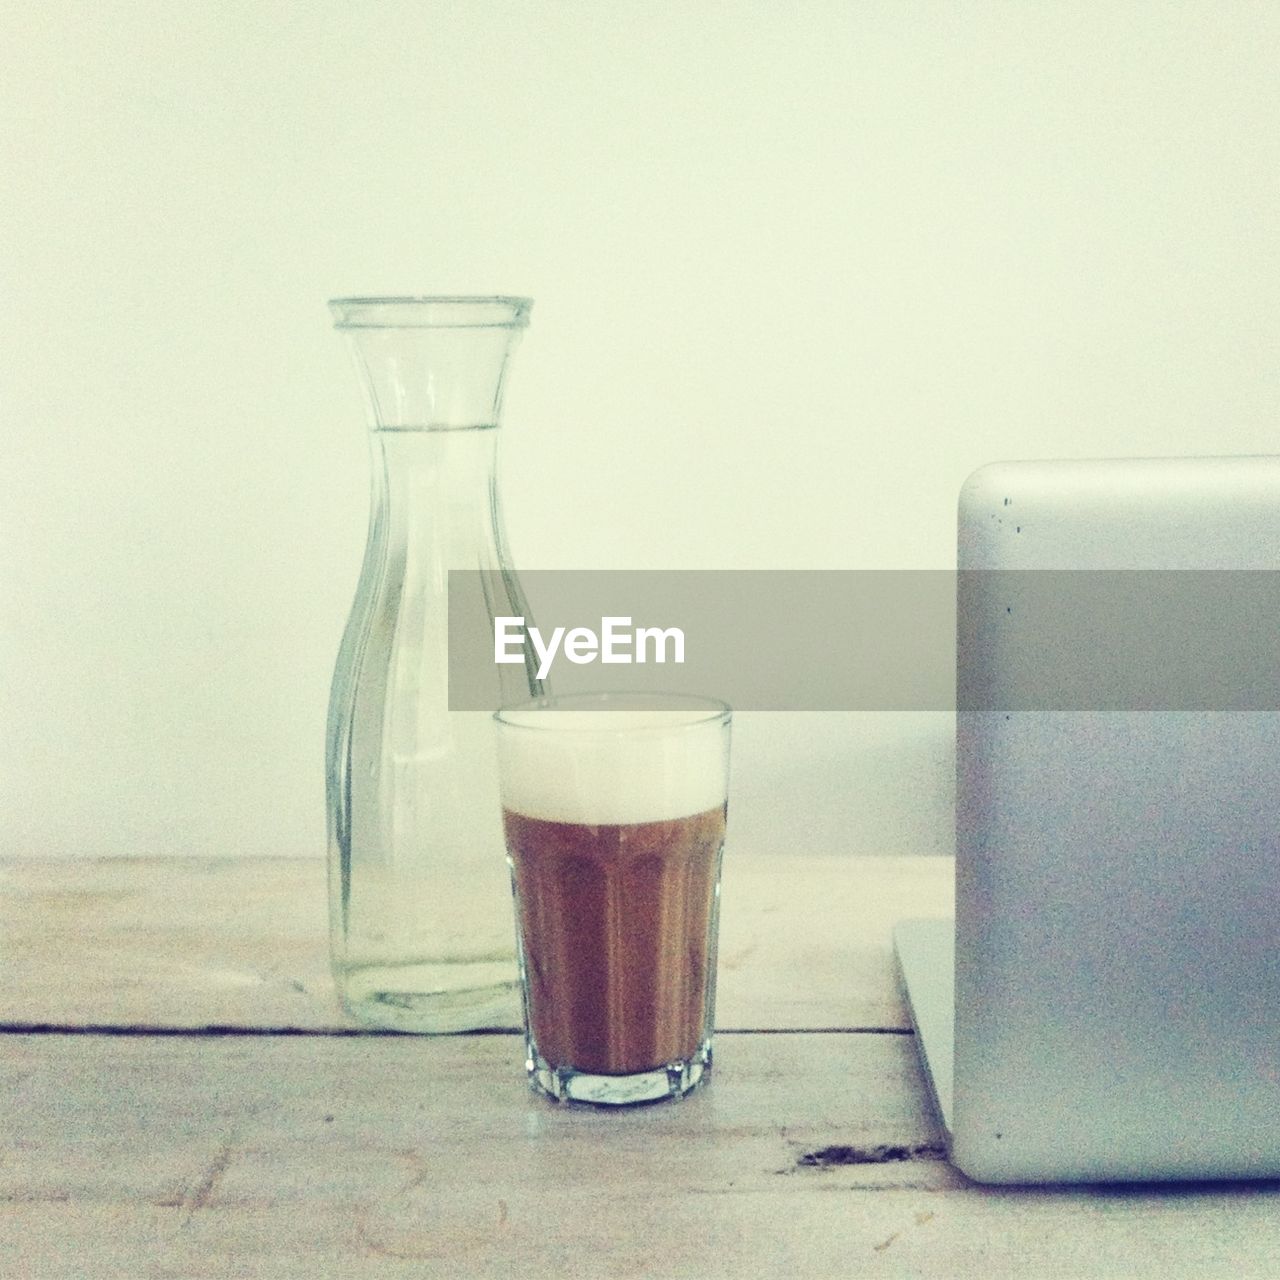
(434, 998)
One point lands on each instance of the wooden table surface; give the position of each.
(184, 1099)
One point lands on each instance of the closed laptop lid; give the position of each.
(1117, 967)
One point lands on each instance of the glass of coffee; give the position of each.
(614, 809)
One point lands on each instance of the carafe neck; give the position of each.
(437, 491)
(432, 364)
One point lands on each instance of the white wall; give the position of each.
(798, 267)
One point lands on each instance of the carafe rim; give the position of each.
(444, 311)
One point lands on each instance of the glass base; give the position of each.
(432, 999)
(671, 1080)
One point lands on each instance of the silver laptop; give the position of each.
(1106, 1005)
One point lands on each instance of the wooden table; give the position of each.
(183, 1099)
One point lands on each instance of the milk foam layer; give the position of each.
(596, 767)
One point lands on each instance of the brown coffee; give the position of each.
(616, 927)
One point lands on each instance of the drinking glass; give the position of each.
(614, 810)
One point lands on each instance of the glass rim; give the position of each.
(445, 311)
(705, 712)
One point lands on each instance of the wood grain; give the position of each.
(135, 1144)
(283, 1156)
(235, 942)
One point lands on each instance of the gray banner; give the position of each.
(862, 640)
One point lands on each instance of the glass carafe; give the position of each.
(421, 928)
